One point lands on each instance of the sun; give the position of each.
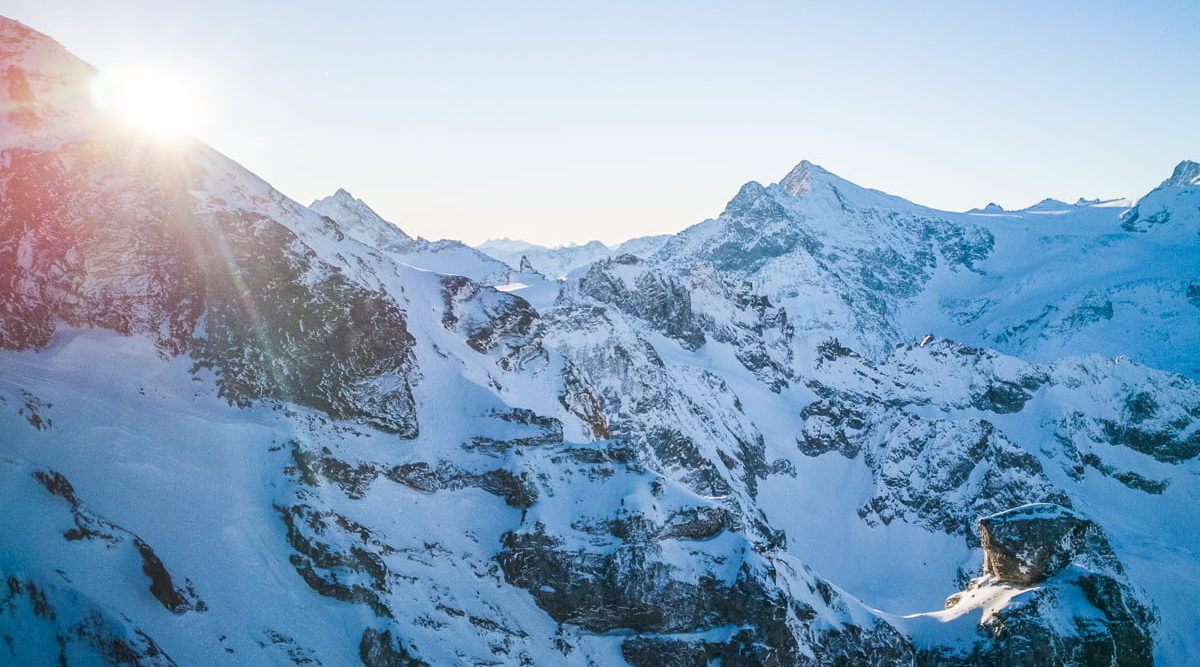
(156, 103)
(161, 105)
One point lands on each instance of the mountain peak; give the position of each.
(1186, 173)
(14, 28)
(991, 208)
(342, 198)
(359, 219)
(1048, 204)
(799, 180)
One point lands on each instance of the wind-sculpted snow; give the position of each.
(239, 430)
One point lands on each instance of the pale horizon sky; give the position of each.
(560, 122)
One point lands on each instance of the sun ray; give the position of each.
(158, 103)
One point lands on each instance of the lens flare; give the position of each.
(156, 103)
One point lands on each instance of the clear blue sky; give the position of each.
(565, 121)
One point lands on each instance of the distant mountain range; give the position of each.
(828, 426)
(558, 262)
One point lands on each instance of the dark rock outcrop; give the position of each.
(491, 320)
(1066, 601)
(40, 621)
(89, 527)
(1029, 544)
(114, 239)
(657, 298)
(379, 649)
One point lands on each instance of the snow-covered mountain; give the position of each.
(829, 426)
(1041, 283)
(363, 224)
(557, 262)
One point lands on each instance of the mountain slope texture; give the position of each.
(827, 427)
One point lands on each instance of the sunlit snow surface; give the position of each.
(1092, 305)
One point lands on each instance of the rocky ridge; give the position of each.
(391, 465)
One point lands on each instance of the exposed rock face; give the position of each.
(89, 527)
(378, 649)
(139, 241)
(656, 298)
(41, 612)
(279, 323)
(846, 646)
(873, 269)
(1053, 592)
(634, 589)
(840, 258)
(942, 468)
(526, 266)
(730, 312)
(68, 268)
(318, 339)
(348, 566)
(358, 221)
(517, 490)
(642, 463)
(56, 622)
(492, 320)
(1029, 544)
(354, 217)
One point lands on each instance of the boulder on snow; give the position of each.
(1029, 544)
(1052, 593)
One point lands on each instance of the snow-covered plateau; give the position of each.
(827, 427)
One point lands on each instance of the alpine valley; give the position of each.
(827, 427)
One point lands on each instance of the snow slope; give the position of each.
(1041, 283)
(239, 430)
(363, 224)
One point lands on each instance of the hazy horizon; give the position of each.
(556, 124)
